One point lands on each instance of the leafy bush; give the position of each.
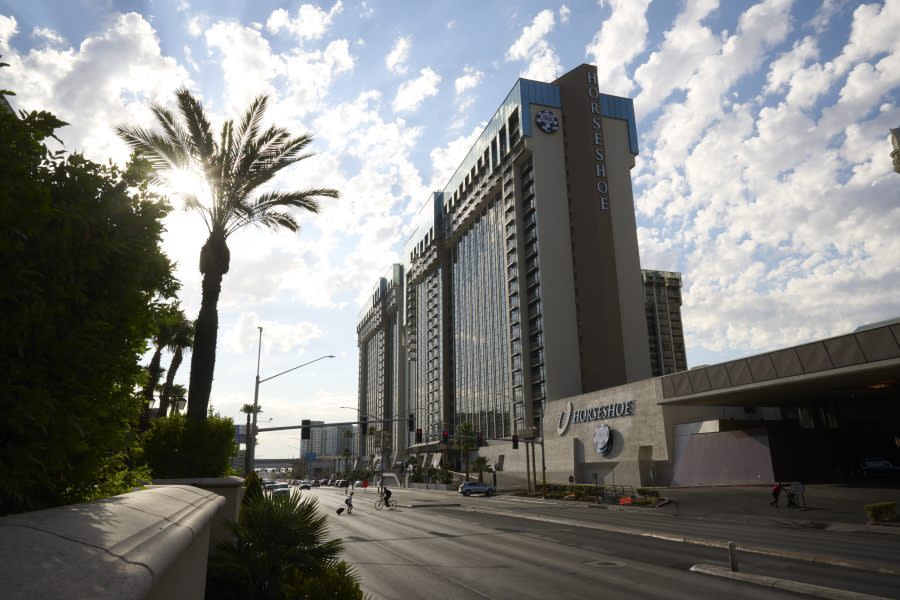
(253, 489)
(178, 446)
(82, 265)
(646, 501)
(648, 492)
(882, 511)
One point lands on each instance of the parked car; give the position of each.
(267, 486)
(342, 483)
(316, 482)
(880, 467)
(281, 489)
(305, 484)
(476, 487)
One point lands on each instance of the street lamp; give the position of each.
(251, 440)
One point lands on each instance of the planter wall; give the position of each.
(230, 488)
(433, 486)
(148, 544)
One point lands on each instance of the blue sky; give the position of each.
(764, 174)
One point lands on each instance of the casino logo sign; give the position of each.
(547, 121)
(603, 439)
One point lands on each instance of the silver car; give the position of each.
(476, 487)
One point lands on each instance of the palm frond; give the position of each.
(173, 129)
(156, 148)
(248, 130)
(197, 124)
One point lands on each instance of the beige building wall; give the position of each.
(561, 355)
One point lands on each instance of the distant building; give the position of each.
(662, 301)
(314, 443)
(382, 369)
(895, 154)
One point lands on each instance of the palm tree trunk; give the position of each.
(153, 372)
(214, 261)
(170, 379)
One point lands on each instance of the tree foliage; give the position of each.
(176, 446)
(79, 245)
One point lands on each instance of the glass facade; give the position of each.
(478, 322)
(429, 390)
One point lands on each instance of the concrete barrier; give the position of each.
(229, 488)
(150, 544)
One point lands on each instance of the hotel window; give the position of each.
(502, 136)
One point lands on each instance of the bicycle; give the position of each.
(391, 504)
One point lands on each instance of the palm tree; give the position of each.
(182, 336)
(245, 158)
(177, 393)
(464, 438)
(275, 539)
(480, 464)
(165, 317)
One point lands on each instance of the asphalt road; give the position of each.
(507, 547)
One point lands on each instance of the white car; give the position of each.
(281, 489)
(305, 484)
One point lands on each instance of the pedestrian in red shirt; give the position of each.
(365, 484)
(776, 492)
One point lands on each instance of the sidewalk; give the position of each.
(826, 504)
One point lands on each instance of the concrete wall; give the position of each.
(149, 544)
(229, 488)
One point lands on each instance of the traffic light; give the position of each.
(304, 429)
(364, 425)
(411, 422)
(445, 436)
(515, 442)
(419, 436)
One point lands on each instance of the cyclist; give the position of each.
(387, 496)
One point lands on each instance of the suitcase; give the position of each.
(340, 510)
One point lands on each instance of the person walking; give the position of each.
(365, 484)
(776, 493)
(349, 502)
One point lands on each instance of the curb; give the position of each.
(787, 585)
(711, 543)
(429, 505)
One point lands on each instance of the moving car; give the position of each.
(476, 487)
(880, 467)
(281, 489)
(305, 484)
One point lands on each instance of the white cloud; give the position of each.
(414, 91)
(684, 48)
(620, 39)
(243, 50)
(189, 58)
(564, 12)
(8, 28)
(532, 46)
(196, 25)
(48, 35)
(108, 79)
(470, 78)
(396, 58)
(451, 24)
(786, 65)
(282, 337)
(310, 75)
(311, 22)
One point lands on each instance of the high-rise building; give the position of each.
(523, 276)
(662, 301)
(315, 442)
(895, 153)
(336, 438)
(382, 368)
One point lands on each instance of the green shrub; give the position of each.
(177, 446)
(279, 550)
(253, 489)
(648, 492)
(882, 511)
(645, 501)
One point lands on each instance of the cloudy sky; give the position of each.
(764, 174)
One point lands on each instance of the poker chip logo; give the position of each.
(603, 439)
(547, 121)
